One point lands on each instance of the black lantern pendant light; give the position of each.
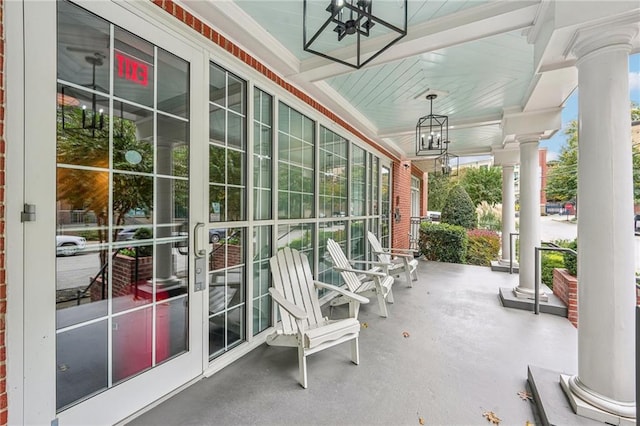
(432, 132)
(350, 18)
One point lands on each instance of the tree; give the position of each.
(439, 186)
(483, 184)
(562, 178)
(458, 209)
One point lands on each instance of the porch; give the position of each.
(465, 355)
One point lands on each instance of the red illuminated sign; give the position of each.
(132, 69)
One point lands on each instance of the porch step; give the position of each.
(496, 266)
(553, 306)
(552, 404)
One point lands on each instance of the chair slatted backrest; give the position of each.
(377, 247)
(292, 277)
(340, 260)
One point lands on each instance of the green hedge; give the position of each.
(483, 247)
(571, 260)
(443, 242)
(550, 261)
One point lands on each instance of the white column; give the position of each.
(606, 291)
(529, 214)
(508, 212)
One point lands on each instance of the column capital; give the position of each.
(506, 156)
(528, 138)
(586, 41)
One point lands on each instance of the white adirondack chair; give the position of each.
(400, 260)
(303, 325)
(369, 283)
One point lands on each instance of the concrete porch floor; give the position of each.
(465, 355)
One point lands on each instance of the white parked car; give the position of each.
(68, 245)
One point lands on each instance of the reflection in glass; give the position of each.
(358, 181)
(295, 166)
(217, 128)
(172, 321)
(133, 138)
(333, 174)
(261, 278)
(385, 201)
(235, 130)
(131, 193)
(83, 39)
(119, 280)
(336, 231)
(173, 84)
(299, 237)
(217, 85)
(262, 155)
(133, 73)
(358, 240)
(173, 149)
(226, 290)
(132, 343)
(83, 128)
(81, 362)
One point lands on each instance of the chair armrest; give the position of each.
(360, 271)
(342, 291)
(288, 306)
(369, 262)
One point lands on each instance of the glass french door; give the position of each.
(116, 296)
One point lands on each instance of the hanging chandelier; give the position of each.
(432, 132)
(351, 18)
(447, 164)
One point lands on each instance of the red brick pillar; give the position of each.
(401, 203)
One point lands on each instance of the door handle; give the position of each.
(197, 247)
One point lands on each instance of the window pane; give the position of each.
(133, 138)
(133, 76)
(173, 84)
(295, 194)
(83, 48)
(173, 152)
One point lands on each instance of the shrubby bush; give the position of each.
(483, 246)
(550, 261)
(458, 209)
(489, 216)
(571, 260)
(443, 242)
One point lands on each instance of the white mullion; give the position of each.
(110, 217)
(154, 288)
(250, 208)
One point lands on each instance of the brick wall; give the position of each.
(3, 277)
(565, 286)
(401, 200)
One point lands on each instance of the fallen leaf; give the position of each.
(405, 334)
(420, 420)
(491, 417)
(365, 325)
(525, 396)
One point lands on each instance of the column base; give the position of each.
(505, 262)
(529, 293)
(589, 404)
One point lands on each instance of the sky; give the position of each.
(570, 111)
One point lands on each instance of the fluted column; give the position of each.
(606, 292)
(529, 215)
(508, 212)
